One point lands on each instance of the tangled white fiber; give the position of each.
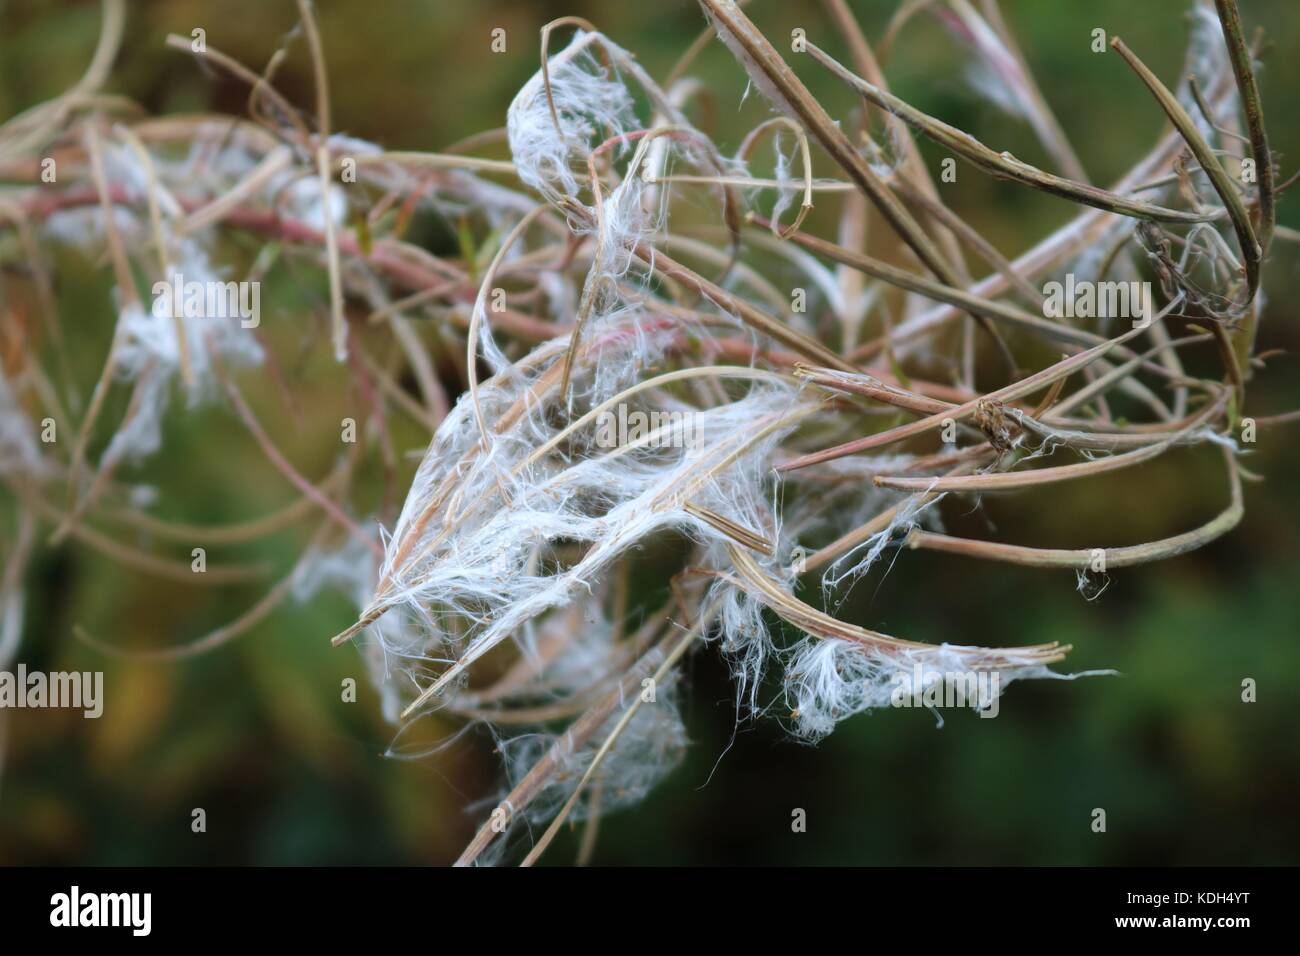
(519, 516)
(643, 460)
(591, 103)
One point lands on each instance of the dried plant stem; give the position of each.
(1083, 559)
(588, 845)
(244, 531)
(477, 317)
(1248, 88)
(805, 155)
(938, 291)
(130, 298)
(916, 182)
(777, 81)
(964, 230)
(437, 161)
(1086, 228)
(850, 540)
(237, 69)
(670, 661)
(33, 128)
(818, 623)
(282, 465)
(1016, 390)
(1004, 165)
(1213, 169)
(1041, 118)
(1003, 481)
(755, 318)
(153, 193)
(150, 564)
(323, 165)
(578, 733)
(210, 641)
(668, 497)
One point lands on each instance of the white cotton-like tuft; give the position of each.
(491, 539)
(857, 562)
(592, 105)
(302, 198)
(140, 434)
(483, 570)
(153, 344)
(649, 747)
(349, 569)
(783, 173)
(20, 451)
(829, 679)
(155, 337)
(82, 228)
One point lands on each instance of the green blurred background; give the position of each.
(256, 733)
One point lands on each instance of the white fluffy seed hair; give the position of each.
(518, 512)
(153, 338)
(913, 511)
(20, 452)
(648, 748)
(150, 343)
(828, 680)
(491, 562)
(592, 103)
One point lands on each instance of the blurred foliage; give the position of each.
(256, 732)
